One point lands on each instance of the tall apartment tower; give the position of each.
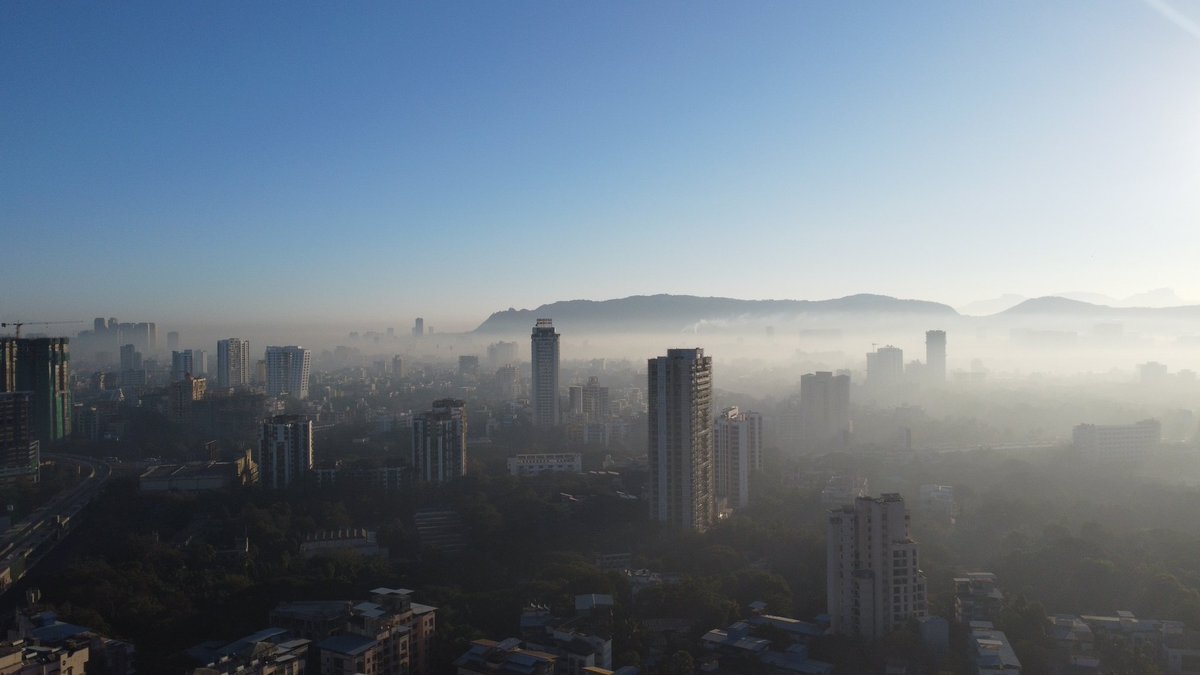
(181, 365)
(418, 327)
(20, 458)
(935, 355)
(287, 371)
(874, 582)
(738, 453)
(885, 366)
(285, 450)
(824, 411)
(680, 443)
(544, 344)
(41, 366)
(440, 442)
(233, 363)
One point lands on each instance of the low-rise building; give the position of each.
(537, 464)
(351, 540)
(271, 651)
(991, 654)
(976, 597)
(508, 657)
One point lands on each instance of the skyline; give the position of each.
(196, 163)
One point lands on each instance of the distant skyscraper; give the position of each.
(824, 411)
(885, 366)
(595, 401)
(172, 340)
(285, 450)
(935, 355)
(181, 364)
(41, 366)
(287, 371)
(131, 358)
(397, 366)
(199, 362)
(544, 342)
(737, 448)
(680, 443)
(233, 363)
(874, 582)
(419, 327)
(502, 354)
(440, 442)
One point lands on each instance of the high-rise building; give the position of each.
(439, 436)
(181, 364)
(468, 366)
(418, 327)
(544, 350)
(824, 411)
(874, 582)
(595, 401)
(172, 340)
(680, 443)
(287, 371)
(935, 355)
(42, 367)
(737, 449)
(233, 363)
(131, 358)
(19, 450)
(285, 450)
(502, 354)
(397, 366)
(885, 366)
(199, 362)
(182, 394)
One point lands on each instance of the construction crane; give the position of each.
(17, 325)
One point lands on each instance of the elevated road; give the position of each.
(27, 541)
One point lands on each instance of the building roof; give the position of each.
(348, 644)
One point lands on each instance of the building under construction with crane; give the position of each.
(42, 368)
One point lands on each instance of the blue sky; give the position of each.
(279, 161)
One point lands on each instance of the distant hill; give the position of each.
(992, 305)
(675, 313)
(1059, 306)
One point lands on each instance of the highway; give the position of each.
(27, 541)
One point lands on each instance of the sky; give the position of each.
(373, 162)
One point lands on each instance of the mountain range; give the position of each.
(683, 313)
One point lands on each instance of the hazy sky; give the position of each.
(231, 160)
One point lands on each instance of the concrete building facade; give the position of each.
(682, 486)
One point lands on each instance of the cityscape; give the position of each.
(599, 339)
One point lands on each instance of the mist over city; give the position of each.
(599, 339)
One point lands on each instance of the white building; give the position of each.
(287, 371)
(738, 453)
(233, 363)
(680, 444)
(1118, 441)
(544, 345)
(537, 464)
(440, 442)
(874, 582)
(885, 366)
(935, 355)
(285, 450)
(824, 411)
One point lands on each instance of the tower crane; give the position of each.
(17, 325)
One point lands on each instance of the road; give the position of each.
(26, 542)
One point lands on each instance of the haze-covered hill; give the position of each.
(676, 313)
